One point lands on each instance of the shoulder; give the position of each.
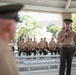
(73, 31)
(61, 31)
(3, 48)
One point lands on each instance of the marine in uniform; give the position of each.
(21, 47)
(42, 47)
(52, 46)
(25, 48)
(46, 47)
(8, 20)
(29, 46)
(35, 46)
(32, 46)
(18, 42)
(67, 38)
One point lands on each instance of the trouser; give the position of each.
(47, 48)
(28, 52)
(58, 50)
(53, 51)
(43, 51)
(13, 49)
(66, 55)
(20, 52)
(18, 49)
(34, 51)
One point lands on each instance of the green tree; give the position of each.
(74, 21)
(28, 26)
(53, 29)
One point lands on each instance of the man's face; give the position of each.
(41, 39)
(52, 39)
(44, 39)
(22, 40)
(8, 27)
(67, 26)
(34, 39)
(12, 29)
(30, 40)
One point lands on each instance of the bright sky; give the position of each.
(44, 16)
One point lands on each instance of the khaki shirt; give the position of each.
(35, 44)
(58, 45)
(52, 44)
(69, 40)
(22, 46)
(8, 64)
(46, 44)
(41, 44)
(30, 45)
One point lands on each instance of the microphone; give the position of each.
(66, 32)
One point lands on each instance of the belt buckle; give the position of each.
(67, 46)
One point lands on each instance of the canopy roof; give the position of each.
(45, 5)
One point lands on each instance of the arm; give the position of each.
(61, 37)
(8, 64)
(75, 43)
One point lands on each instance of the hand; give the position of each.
(65, 34)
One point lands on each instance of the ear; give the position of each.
(9, 28)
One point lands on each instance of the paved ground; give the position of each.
(43, 71)
(52, 72)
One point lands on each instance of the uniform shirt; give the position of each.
(25, 46)
(35, 44)
(58, 45)
(41, 44)
(30, 45)
(52, 44)
(70, 39)
(46, 44)
(22, 46)
(8, 64)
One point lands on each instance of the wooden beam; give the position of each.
(68, 4)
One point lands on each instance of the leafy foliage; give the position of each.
(53, 29)
(74, 21)
(28, 26)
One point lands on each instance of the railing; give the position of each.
(37, 56)
(22, 63)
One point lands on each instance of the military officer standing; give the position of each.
(8, 21)
(67, 38)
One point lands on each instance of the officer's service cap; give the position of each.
(10, 11)
(68, 21)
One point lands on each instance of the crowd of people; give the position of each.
(43, 47)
